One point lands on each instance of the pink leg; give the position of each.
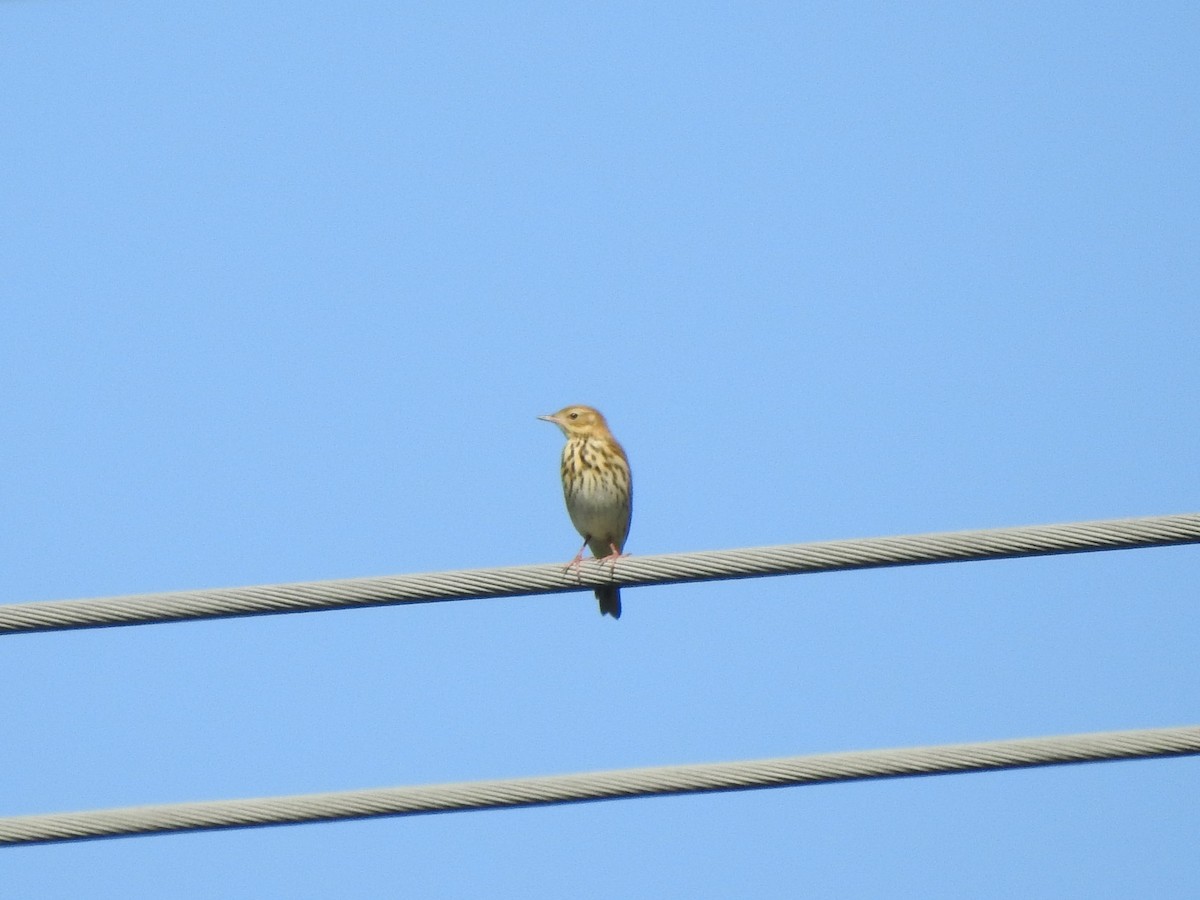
(577, 562)
(612, 557)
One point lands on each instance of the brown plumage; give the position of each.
(598, 488)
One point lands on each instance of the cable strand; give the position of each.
(622, 783)
(672, 568)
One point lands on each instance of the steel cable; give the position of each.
(621, 783)
(671, 568)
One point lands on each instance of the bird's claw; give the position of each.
(577, 565)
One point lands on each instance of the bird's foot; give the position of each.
(576, 564)
(612, 557)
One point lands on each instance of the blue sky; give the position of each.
(286, 285)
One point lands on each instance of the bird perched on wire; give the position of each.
(598, 488)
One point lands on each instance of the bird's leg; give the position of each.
(615, 554)
(612, 557)
(577, 562)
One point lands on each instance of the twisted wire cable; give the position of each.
(670, 568)
(621, 783)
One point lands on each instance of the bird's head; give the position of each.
(578, 421)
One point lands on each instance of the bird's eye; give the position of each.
(573, 416)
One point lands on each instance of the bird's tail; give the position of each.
(610, 601)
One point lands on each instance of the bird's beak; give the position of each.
(548, 419)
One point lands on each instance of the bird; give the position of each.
(598, 488)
